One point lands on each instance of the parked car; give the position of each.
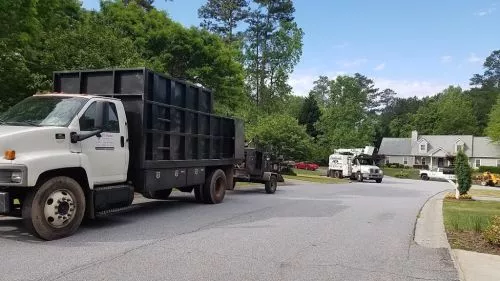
(306, 166)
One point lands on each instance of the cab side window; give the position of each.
(97, 113)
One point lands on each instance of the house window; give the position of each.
(478, 163)
(459, 147)
(387, 161)
(405, 161)
(498, 163)
(423, 160)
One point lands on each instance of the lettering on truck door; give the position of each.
(105, 154)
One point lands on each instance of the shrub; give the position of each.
(492, 232)
(463, 172)
(451, 195)
(491, 169)
(421, 167)
(402, 175)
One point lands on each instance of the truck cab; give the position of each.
(57, 148)
(364, 168)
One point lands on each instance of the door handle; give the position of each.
(122, 141)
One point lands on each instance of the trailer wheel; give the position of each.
(378, 180)
(214, 188)
(55, 210)
(336, 174)
(271, 185)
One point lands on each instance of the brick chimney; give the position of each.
(414, 136)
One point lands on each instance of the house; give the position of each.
(439, 151)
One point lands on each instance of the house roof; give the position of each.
(395, 146)
(484, 147)
(440, 145)
(444, 142)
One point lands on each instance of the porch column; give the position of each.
(431, 163)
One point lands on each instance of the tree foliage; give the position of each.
(493, 129)
(463, 173)
(283, 135)
(223, 16)
(309, 115)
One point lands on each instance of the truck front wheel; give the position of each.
(214, 188)
(55, 210)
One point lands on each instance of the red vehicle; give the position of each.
(306, 166)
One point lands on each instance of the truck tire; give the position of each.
(55, 209)
(162, 194)
(359, 177)
(336, 174)
(214, 188)
(424, 177)
(271, 185)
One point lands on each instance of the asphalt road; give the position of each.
(356, 231)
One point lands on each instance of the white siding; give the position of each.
(485, 162)
(400, 160)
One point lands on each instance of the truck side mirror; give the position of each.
(75, 137)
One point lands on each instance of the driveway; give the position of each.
(352, 231)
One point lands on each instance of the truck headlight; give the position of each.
(16, 177)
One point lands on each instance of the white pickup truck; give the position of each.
(438, 174)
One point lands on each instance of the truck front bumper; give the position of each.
(373, 176)
(4, 203)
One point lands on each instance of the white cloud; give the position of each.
(485, 12)
(379, 67)
(302, 84)
(410, 88)
(446, 59)
(473, 58)
(352, 63)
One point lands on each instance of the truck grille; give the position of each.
(374, 171)
(5, 176)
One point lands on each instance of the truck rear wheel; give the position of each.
(55, 210)
(271, 185)
(214, 188)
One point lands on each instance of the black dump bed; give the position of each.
(170, 122)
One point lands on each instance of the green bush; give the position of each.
(463, 172)
(491, 169)
(492, 232)
(402, 175)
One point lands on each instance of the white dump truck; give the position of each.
(84, 150)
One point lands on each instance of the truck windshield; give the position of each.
(43, 111)
(365, 161)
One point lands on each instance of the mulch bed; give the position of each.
(472, 241)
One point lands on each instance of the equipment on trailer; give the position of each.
(258, 167)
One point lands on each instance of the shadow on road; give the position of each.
(12, 228)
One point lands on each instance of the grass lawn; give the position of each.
(392, 172)
(485, 193)
(465, 220)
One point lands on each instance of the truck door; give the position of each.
(107, 154)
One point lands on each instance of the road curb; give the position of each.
(425, 231)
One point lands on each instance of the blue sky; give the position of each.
(413, 47)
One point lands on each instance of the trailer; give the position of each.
(103, 135)
(258, 167)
